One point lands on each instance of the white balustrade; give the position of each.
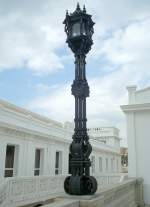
(23, 190)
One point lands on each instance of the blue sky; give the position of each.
(37, 68)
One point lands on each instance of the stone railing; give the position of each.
(23, 190)
(3, 192)
(105, 180)
(129, 193)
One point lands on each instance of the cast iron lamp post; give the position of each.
(79, 30)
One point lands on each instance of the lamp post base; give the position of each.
(80, 185)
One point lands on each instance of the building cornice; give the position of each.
(24, 133)
(143, 90)
(135, 107)
(27, 113)
(24, 124)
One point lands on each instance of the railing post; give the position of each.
(139, 192)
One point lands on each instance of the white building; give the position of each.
(138, 133)
(107, 135)
(31, 144)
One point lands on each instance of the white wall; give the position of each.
(26, 155)
(138, 134)
(142, 123)
(109, 156)
(29, 131)
(2, 157)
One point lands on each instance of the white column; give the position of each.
(52, 159)
(65, 160)
(16, 161)
(2, 158)
(46, 161)
(109, 163)
(105, 171)
(97, 163)
(21, 159)
(49, 160)
(132, 171)
(131, 94)
(119, 164)
(103, 163)
(24, 167)
(30, 158)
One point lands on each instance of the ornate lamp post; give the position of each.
(79, 30)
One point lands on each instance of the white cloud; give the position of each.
(32, 34)
(29, 39)
(127, 49)
(32, 31)
(130, 39)
(102, 105)
(57, 103)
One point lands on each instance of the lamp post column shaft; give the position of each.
(79, 30)
(80, 101)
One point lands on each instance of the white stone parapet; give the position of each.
(19, 191)
(48, 191)
(126, 194)
(24, 190)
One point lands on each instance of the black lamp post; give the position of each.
(79, 30)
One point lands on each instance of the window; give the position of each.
(93, 164)
(37, 164)
(100, 164)
(58, 163)
(106, 164)
(9, 161)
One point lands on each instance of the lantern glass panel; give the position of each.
(83, 29)
(76, 29)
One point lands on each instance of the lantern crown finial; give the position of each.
(78, 10)
(67, 13)
(84, 9)
(78, 6)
